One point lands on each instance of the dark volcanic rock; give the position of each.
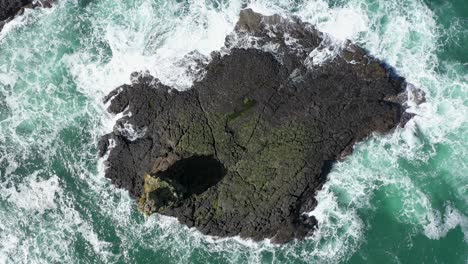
(244, 151)
(11, 8)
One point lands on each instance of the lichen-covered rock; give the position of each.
(244, 151)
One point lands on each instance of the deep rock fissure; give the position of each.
(195, 174)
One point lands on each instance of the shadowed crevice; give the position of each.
(195, 174)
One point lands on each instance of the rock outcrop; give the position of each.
(244, 151)
(11, 8)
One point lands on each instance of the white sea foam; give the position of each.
(36, 195)
(327, 50)
(156, 42)
(438, 226)
(131, 132)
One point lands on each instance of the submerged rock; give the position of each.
(244, 151)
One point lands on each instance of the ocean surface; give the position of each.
(399, 198)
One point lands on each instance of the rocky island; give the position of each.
(246, 148)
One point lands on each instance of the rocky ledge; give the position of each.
(11, 8)
(244, 151)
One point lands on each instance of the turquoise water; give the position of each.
(400, 198)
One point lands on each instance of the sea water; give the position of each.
(399, 198)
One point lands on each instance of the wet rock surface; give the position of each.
(244, 151)
(11, 8)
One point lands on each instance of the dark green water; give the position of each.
(400, 198)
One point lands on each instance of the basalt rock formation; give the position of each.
(244, 151)
(11, 8)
